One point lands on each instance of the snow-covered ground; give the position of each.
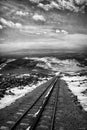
(78, 84)
(58, 65)
(4, 64)
(70, 69)
(15, 93)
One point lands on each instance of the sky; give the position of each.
(42, 39)
(25, 29)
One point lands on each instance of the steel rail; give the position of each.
(19, 120)
(41, 109)
(55, 107)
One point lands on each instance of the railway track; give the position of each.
(42, 113)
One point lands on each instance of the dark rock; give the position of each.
(1, 94)
(75, 99)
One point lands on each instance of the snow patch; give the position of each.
(22, 75)
(57, 64)
(36, 113)
(57, 31)
(28, 128)
(10, 60)
(4, 64)
(48, 92)
(77, 85)
(63, 31)
(15, 93)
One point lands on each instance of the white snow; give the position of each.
(10, 60)
(4, 64)
(22, 75)
(75, 78)
(76, 83)
(48, 92)
(57, 64)
(36, 113)
(77, 86)
(57, 73)
(63, 31)
(17, 92)
(26, 58)
(57, 31)
(28, 128)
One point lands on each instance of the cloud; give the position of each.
(78, 41)
(1, 27)
(74, 42)
(21, 13)
(10, 23)
(45, 7)
(24, 28)
(72, 5)
(80, 2)
(1, 39)
(38, 17)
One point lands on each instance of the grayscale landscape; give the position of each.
(39, 40)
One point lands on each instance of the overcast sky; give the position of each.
(41, 38)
